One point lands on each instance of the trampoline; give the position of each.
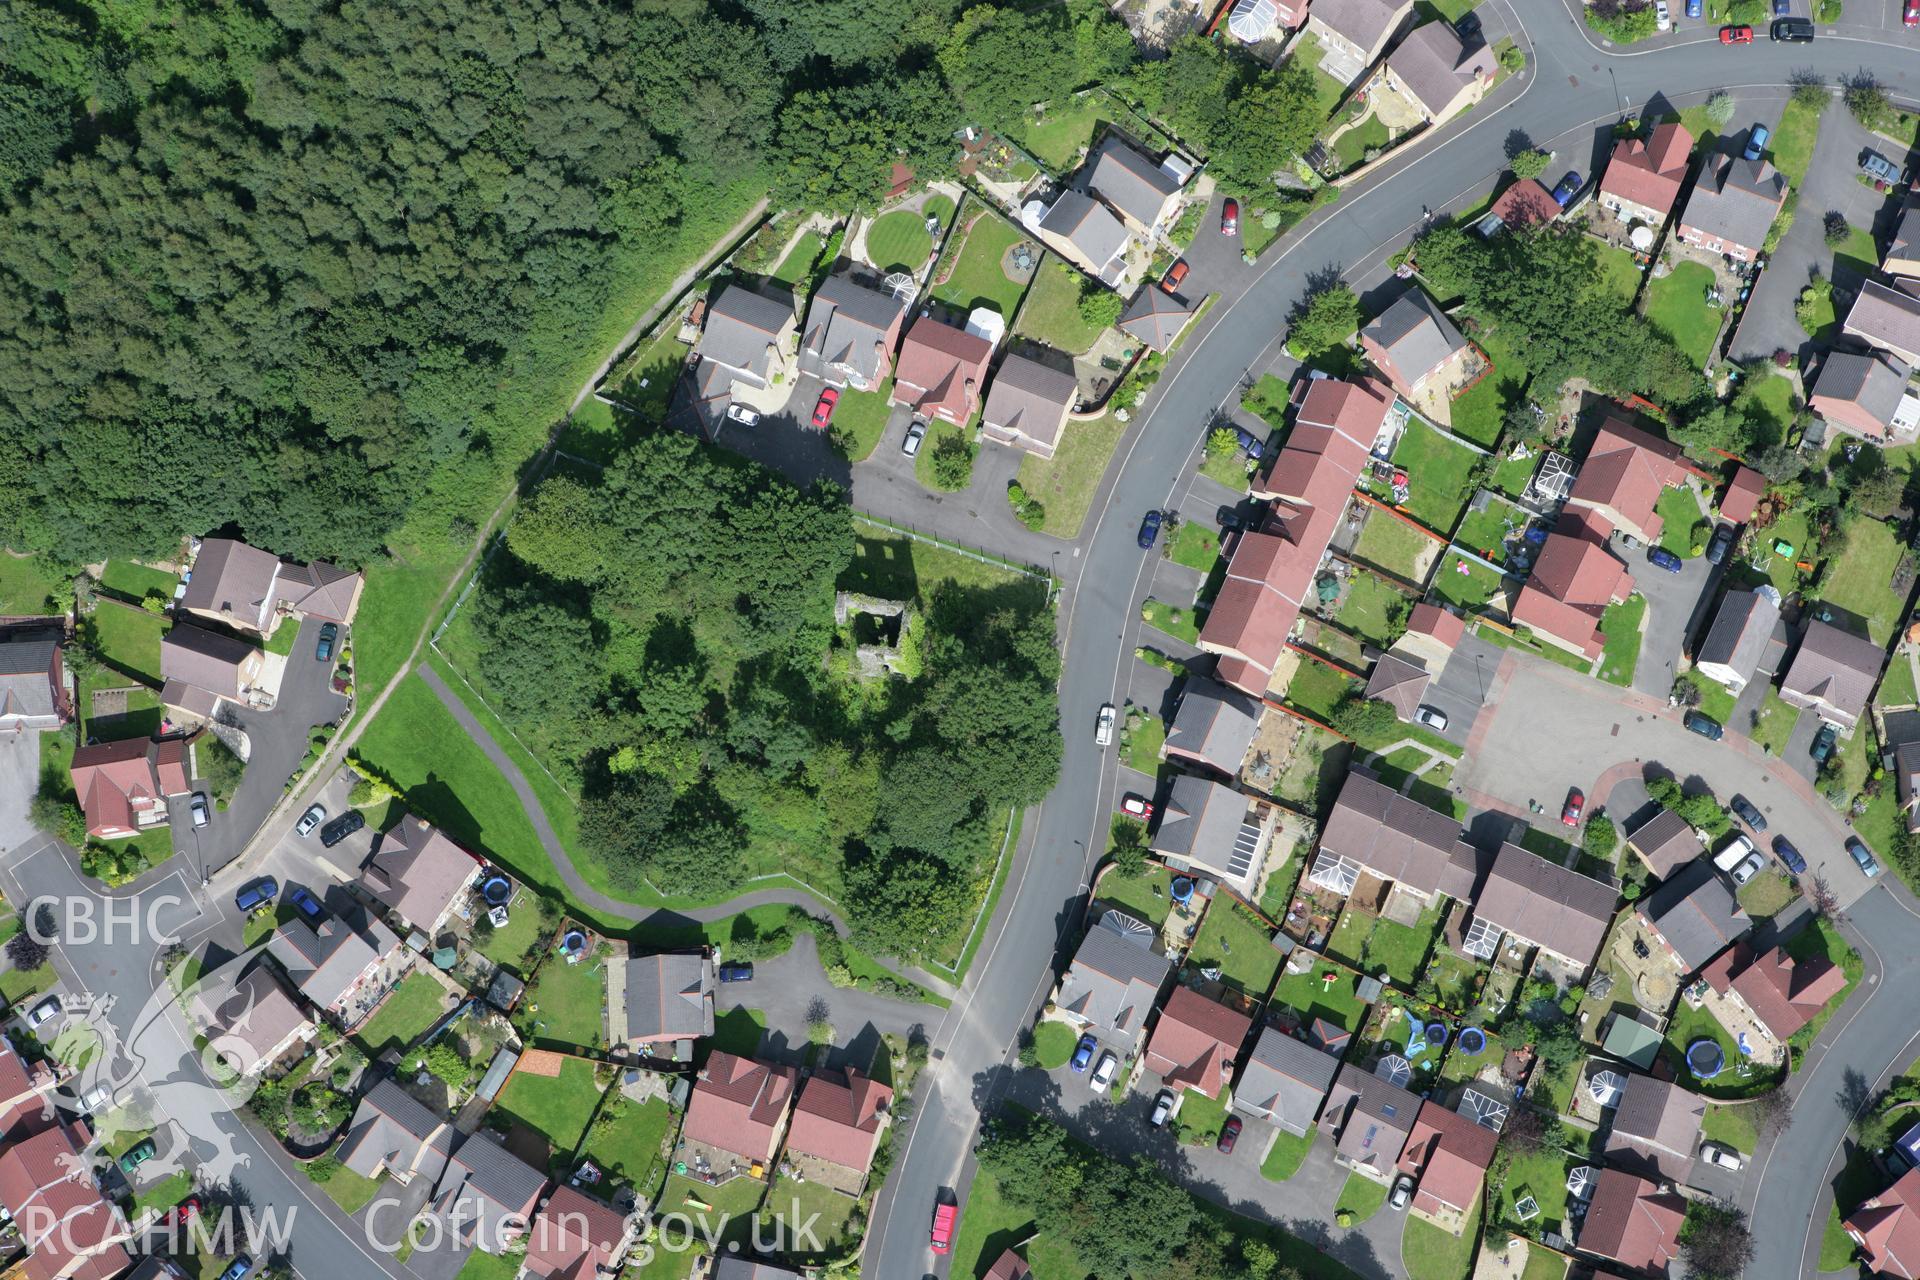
(1472, 1042)
(1705, 1058)
(1182, 888)
(573, 942)
(1436, 1033)
(496, 891)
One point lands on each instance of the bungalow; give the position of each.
(393, 1135)
(419, 874)
(1209, 827)
(1371, 1119)
(487, 1193)
(1449, 1154)
(337, 966)
(836, 1128)
(33, 678)
(1732, 207)
(1156, 318)
(1285, 1082)
(1655, 1129)
(1573, 580)
(1398, 682)
(1440, 75)
(1085, 233)
(1887, 316)
(1141, 191)
(250, 589)
(1432, 634)
(1743, 494)
(249, 1020)
(1886, 1228)
(1009, 1266)
(1631, 1221)
(665, 999)
(1195, 1042)
(1783, 994)
(1665, 843)
(1693, 916)
(1526, 203)
(1375, 830)
(1212, 727)
(1741, 635)
(70, 1229)
(1027, 406)
(1865, 395)
(745, 350)
(1624, 474)
(1903, 249)
(576, 1237)
(737, 1114)
(1644, 176)
(1357, 32)
(123, 786)
(941, 371)
(1114, 980)
(850, 334)
(1309, 482)
(1413, 342)
(1541, 904)
(1833, 673)
(203, 668)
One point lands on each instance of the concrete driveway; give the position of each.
(790, 990)
(19, 780)
(1676, 608)
(1463, 685)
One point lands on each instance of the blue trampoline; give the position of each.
(1182, 888)
(1706, 1059)
(1436, 1033)
(1472, 1042)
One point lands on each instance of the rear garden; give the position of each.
(412, 1007)
(1239, 944)
(1323, 990)
(567, 1002)
(1439, 473)
(972, 272)
(1392, 545)
(557, 1107)
(1677, 303)
(1051, 314)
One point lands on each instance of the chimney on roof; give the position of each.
(970, 388)
(773, 352)
(880, 353)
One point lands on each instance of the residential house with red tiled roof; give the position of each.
(1733, 205)
(836, 1128)
(1783, 994)
(1903, 248)
(1633, 1222)
(941, 371)
(1573, 580)
(1833, 673)
(1864, 394)
(1449, 1154)
(1886, 1228)
(1009, 1266)
(739, 1108)
(123, 786)
(1743, 494)
(576, 1237)
(26, 1094)
(1526, 203)
(1644, 175)
(1625, 472)
(1195, 1042)
(71, 1231)
(1273, 567)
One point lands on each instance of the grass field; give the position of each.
(1439, 472)
(898, 241)
(937, 434)
(567, 1003)
(1677, 303)
(1360, 1197)
(798, 264)
(1059, 132)
(1143, 897)
(1776, 723)
(412, 1007)
(1480, 414)
(1180, 622)
(1268, 401)
(1857, 579)
(971, 274)
(134, 580)
(129, 639)
(1051, 313)
(723, 1214)
(27, 583)
(1543, 1175)
(1620, 273)
(1367, 610)
(1620, 625)
(1897, 690)
(1433, 1254)
(1352, 145)
(1065, 484)
(1237, 944)
(860, 420)
(557, 1106)
(628, 1147)
(352, 1192)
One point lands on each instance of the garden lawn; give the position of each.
(1182, 623)
(1053, 1044)
(408, 1011)
(1510, 475)
(1689, 1025)
(164, 1194)
(1543, 1175)
(1232, 940)
(129, 640)
(1368, 607)
(568, 1003)
(1767, 894)
(729, 1217)
(1433, 1254)
(1485, 532)
(629, 1148)
(1729, 1124)
(481, 1265)
(1620, 273)
(1769, 396)
(1776, 723)
(1308, 995)
(1201, 1117)
(797, 266)
(1064, 484)
(1327, 91)
(1352, 146)
(1227, 469)
(1857, 579)
(1317, 689)
(1143, 897)
(1792, 142)
(558, 1106)
(1681, 512)
(509, 946)
(1060, 131)
(937, 433)
(1439, 475)
(1471, 590)
(1857, 1180)
(898, 241)
(1462, 1067)
(1142, 738)
(860, 419)
(26, 583)
(1677, 303)
(141, 719)
(738, 1032)
(1400, 949)
(1288, 1153)
(1480, 414)
(1196, 546)
(1051, 313)
(1858, 253)
(16, 985)
(1388, 543)
(1361, 1197)
(1267, 400)
(134, 580)
(1544, 1264)
(1620, 626)
(974, 276)
(815, 1208)
(352, 1192)
(1897, 690)
(1315, 769)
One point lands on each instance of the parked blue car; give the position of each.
(1568, 188)
(1083, 1053)
(1250, 444)
(257, 894)
(1149, 530)
(1703, 724)
(1783, 849)
(1757, 142)
(240, 1266)
(1693, 8)
(309, 905)
(1662, 558)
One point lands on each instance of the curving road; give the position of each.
(1573, 90)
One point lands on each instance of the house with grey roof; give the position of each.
(1357, 32)
(1530, 901)
(1139, 189)
(1440, 74)
(1212, 829)
(1694, 915)
(1733, 205)
(252, 590)
(1833, 673)
(395, 1135)
(1085, 233)
(1412, 342)
(736, 1267)
(745, 353)
(1866, 394)
(665, 999)
(1114, 980)
(487, 1194)
(1155, 317)
(1399, 682)
(1284, 1081)
(202, 668)
(1655, 1129)
(1665, 843)
(1374, 830)
(1903, 249)
(1213, 726)
(249, 1020)
(337, 966)
(1887, 316)
(851, 334)
(1741, 635)
(419, 873)
(1027, 405)
(33, 678)
(1371, 1119)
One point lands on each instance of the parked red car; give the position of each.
(1229, 1134)
(943, 1220)
(1175, 274)
(182, 1212)
(1575, 803)
(1911, 13)
(1137, 807)
(823, 412)
(1740, 35)
(1230, 211)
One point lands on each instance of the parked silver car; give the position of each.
(313, 817)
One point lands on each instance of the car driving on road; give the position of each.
(1792, 30)
(1736, 35)
(944, 1216)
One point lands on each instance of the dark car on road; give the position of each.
(1149, 530)
(1662, 558)
(739, 971)
(1748, 814)
(257, 894)
(1789, 856)
(1229, 1134)
(1823, 743)
(1703, 724)
(1863, 857)
(341, 827)
(1721, 544)
(1792, 30)
(323, 652)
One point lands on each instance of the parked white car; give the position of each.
(1102, 1078)
(1103, 727)
(1733, 853)
(1747, 869)
(1432, 717)
(1662, 17)
(1721, 1154)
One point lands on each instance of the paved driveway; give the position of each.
(1676, 608)
(791, 991)
(1464, 684)
(19, 780)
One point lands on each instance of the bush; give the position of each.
(154, 601)
(1622, 23)
(1530, 164)
(1835, 228)
(219, 766)
(952, 463)
(1719, 108)
(1868, 101)
(1324, 321)
(1600, 837)
(1099, 307)
(1363, 719)
(25, 952)
(59, 814)
(1026, 509)
(323, 1169)
(1512, 58)
(1813, 305)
